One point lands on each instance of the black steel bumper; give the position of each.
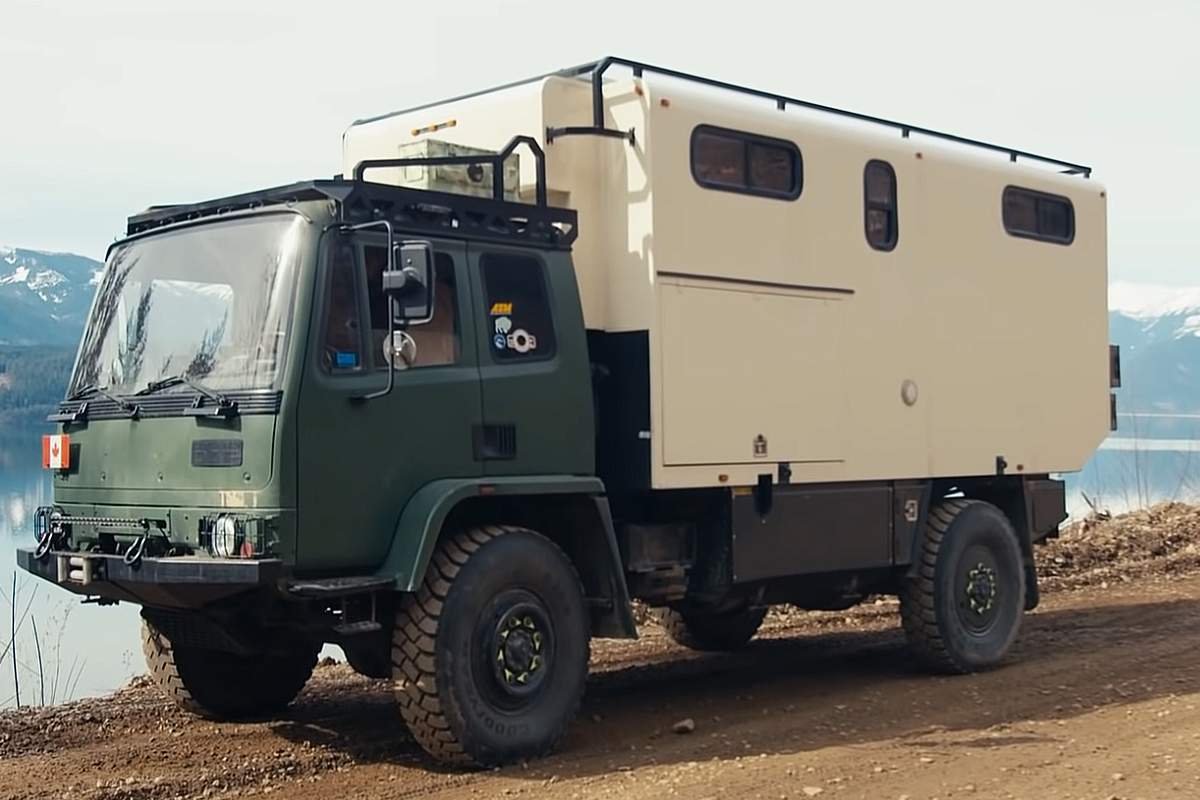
(182, 581)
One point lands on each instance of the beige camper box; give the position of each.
(856, 301)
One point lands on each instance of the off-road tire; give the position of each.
(944, 630)
(701, 630)
(441, 653)
(226, 686)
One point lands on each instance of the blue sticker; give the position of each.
(345, 359)
(500, 341)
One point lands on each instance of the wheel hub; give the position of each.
(519, 648)
(981, 589)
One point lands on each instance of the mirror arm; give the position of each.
(391, 266)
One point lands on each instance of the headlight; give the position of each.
(225, 537)
(236, 536)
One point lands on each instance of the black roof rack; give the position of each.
(411, 210)
(596, 70)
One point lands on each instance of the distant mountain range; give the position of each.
(1158, 329)
(44, 297)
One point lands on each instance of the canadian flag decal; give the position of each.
(56, 451)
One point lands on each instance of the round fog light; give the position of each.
(224, 537)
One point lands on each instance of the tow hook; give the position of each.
(133, 556)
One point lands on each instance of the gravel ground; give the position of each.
(1099, 700)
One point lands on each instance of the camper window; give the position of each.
(734, 161)
(1037, 215)
(879, 199)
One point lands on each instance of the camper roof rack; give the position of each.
(596, 70)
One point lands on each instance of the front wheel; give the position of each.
(490, 655)
(221, 685)
(963, 607)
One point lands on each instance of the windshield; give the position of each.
(210, 302)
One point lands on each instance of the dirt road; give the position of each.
(1100, 700)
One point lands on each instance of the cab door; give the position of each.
(536, 375)
(359, 461)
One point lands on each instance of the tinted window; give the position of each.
(719, 160)
(744, 162)
(879, 199)
(437, 340)
(1037, 215)
(519, 323)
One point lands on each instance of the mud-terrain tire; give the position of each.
(225, 686)
(490, 654)
(963, 608)
(702, 630)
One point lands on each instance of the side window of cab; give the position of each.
(354, 336)
(341, 345)
(439, 340)
(519, 323)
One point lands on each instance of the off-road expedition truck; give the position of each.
(679, 341)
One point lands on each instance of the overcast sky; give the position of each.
(108, 107)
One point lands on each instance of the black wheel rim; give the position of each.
(977, 590)
(515, 645)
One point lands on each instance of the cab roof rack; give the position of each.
(596, 70)
(413, 210)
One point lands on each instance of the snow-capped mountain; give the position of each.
(44, 297)
(1158, 329)
(1163, 312)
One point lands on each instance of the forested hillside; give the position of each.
(32, 381)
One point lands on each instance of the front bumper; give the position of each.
(169, 582)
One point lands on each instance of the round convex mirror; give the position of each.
(400, 350)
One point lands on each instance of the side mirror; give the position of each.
(408, 283)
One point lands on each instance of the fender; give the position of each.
(424, 515)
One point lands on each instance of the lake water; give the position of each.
(89, 650)
(85, 650)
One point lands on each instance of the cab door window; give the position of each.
(520, 325)
(438, 341)
(356, 271)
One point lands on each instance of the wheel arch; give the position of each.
(1035, 505)
(571, 511)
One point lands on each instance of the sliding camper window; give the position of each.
(735, 161)
(879, 201)
(1037, 215)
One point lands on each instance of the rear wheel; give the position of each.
(221, 685)
(490, 655)
(963, 608)
(707, 630)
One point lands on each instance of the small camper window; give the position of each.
(1037, 215)
(879, 200)
(734, 161)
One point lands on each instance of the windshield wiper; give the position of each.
(94, 388)
(224, 406)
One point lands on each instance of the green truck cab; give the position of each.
(282, 404)
(373, 415)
